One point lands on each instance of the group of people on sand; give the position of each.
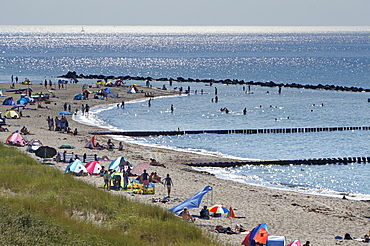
(109, 146)
(61, 125)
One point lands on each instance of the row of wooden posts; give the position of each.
(320, 161)
(235, 131)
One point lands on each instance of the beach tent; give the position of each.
(12, 114)
(26, 82)
(118, 82)
(131, 90)
(22, 100)
(295, 243)
(93, 167)
(9, 101)
(193, 202)
(64, 113)
(117, 163)
(77, 97)
(91, 143)
(109, 83)
(258, 236)
(76, 167)
(15, 138)
(279, 241)
(33, 145)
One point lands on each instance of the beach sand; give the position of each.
(317, 219)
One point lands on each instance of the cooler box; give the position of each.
(276, 241)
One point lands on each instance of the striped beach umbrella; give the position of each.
(218, 209)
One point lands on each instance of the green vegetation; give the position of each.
(42, 206)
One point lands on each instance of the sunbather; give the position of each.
(185, 215)
(154, 162)
(25, 131)
(3, 129)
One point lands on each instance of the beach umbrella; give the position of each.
(66, 146)
(295, 243)
(45, 152)
(139, 168)
(218, 209)
(64, 113)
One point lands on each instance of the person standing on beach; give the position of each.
(105, 177)
(172, 108)
(64, 156)
(144, 178)
(49, 123)
(167, 181)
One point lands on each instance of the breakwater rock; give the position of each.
(74, 75)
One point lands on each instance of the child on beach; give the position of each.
(107, 180)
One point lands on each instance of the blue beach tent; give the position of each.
(193, 202)
(77, 97)
(23, 101)
(9, 101)
(64, 113)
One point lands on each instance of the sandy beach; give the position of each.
(317, 219)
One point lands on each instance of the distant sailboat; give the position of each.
(82, 30)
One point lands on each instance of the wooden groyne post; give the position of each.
(235, 131)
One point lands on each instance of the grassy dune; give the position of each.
(41, 206)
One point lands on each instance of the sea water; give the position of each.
(304, 55)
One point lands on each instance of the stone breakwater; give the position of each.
(74, 75)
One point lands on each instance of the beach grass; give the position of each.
(39, 204)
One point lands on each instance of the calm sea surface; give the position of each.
(304, 55)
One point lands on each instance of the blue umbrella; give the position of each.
(64, 113)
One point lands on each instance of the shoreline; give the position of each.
(286, 213)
